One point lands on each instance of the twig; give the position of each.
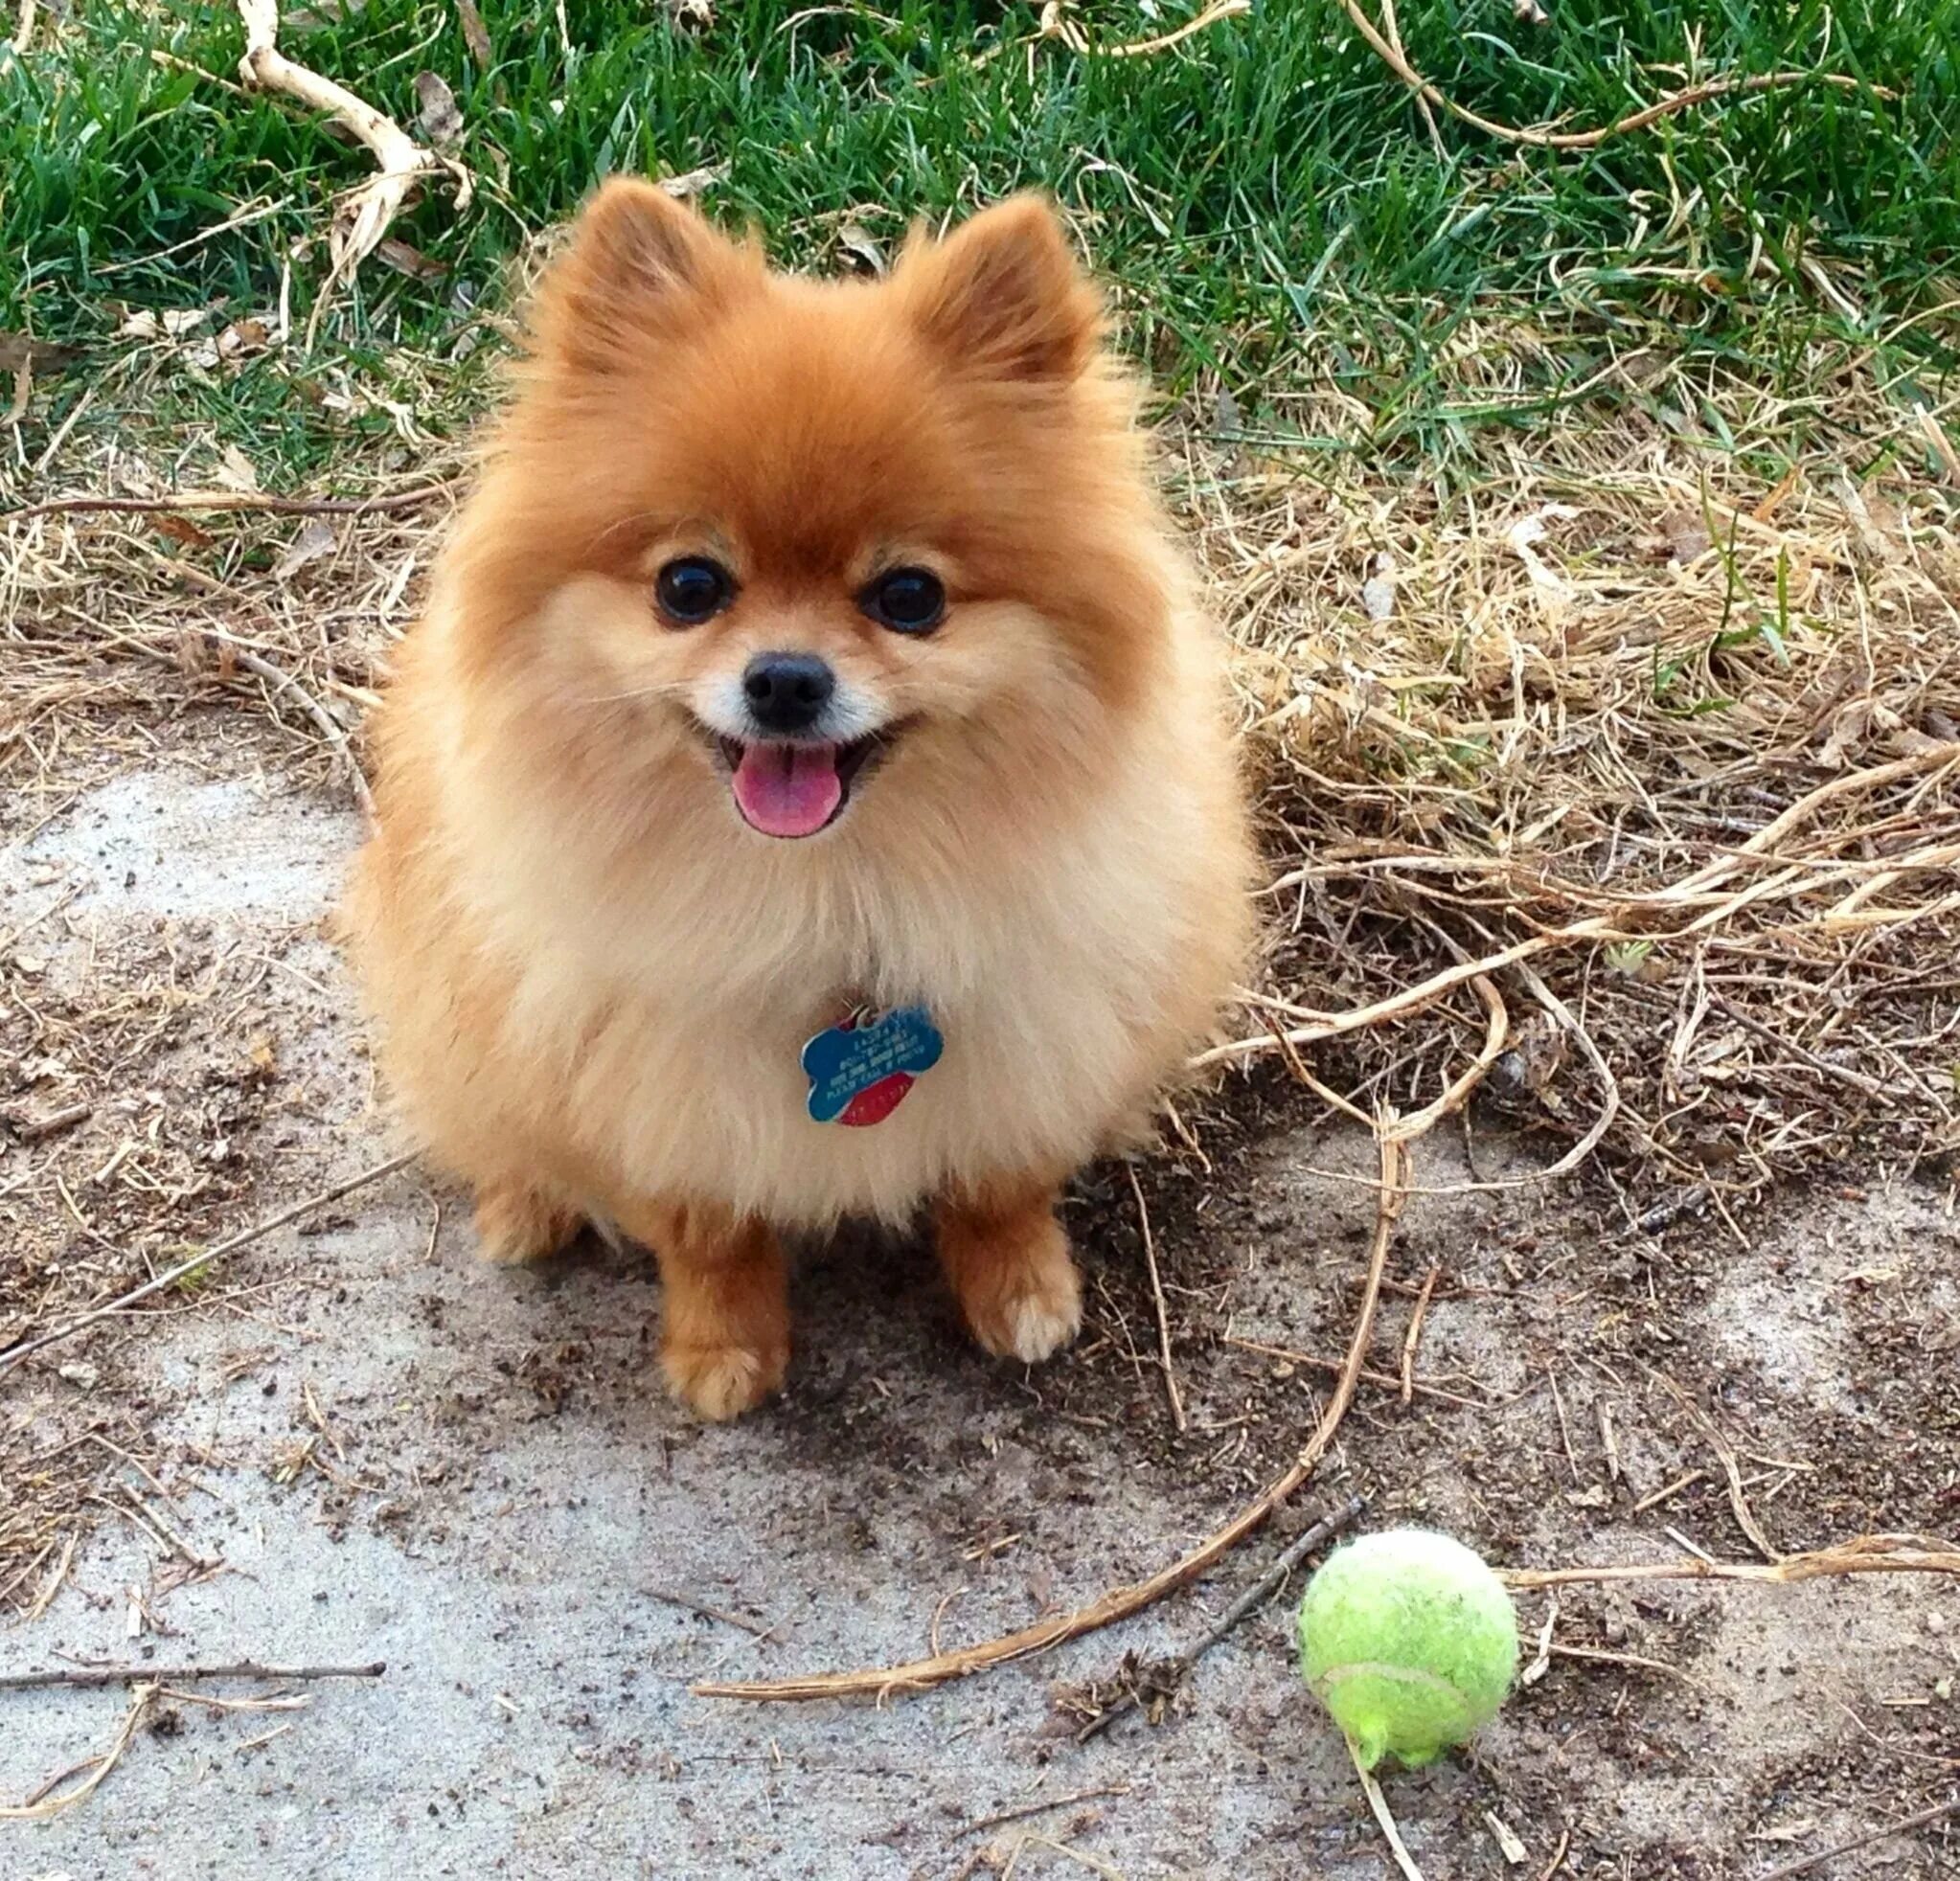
(42, 1805)
(1055, 24)
(1607, 1441)
(1564, 1428)
(1257, 1595)
(331, 727)
(1496, 1032)
(204, 501)
(1393, 28)
(1688, 897)
(1027, 1809)
(1731, 1467)
(1415, 1332)
(1557, 1859)
(1143, 1218)
(16, 1354)
(33, 1129)
(1384, 1819)
(91, 1676)
(1610, 1085)
(1598, 1656)
(1164, 41)
(1865, 1555)
(1121, 1602)
(1081, 1857)
(1871, 1087)
(1926, 1819)
(274, 675)
(260, 1742)
(363, 215)
(689, 1605)
(1669, 1490)
(1387, 1380)
(1589, 140)
(44, 1595)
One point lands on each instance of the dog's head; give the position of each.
(792, 539)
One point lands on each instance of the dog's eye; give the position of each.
(907, 600)
(693, 589)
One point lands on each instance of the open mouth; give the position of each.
(795, 789)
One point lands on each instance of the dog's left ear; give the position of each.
(638, 264)
(1004, 297)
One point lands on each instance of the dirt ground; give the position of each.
(348, 1442)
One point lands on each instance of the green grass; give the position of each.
(1265, 198)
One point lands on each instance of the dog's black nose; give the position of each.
(788, 693)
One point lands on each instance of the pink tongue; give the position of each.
(788, 789)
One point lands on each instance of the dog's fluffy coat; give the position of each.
(594, 982)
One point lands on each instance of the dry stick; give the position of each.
(34, 1130)
(244, 1668)
(1171, 1391)
(1610, 1085)
(1496, 1032)
(42, 1805)
(275, 675)
(1384, 1819)
(363, 217)
(1804, 1864)
(1871, 1087)
(689, 1605)
(1393, 28)
(1413, 1336)
(208, 501)
(1119, 1604)
(1257, 1595)
(1589, 140)
(1864, 1554)
(1731, 1467)
(1164, 41)
(1557, 1859)
(331, 727)
(16, 1354)
(1027, 1809)
(1055, 24)
(1598, 1656)
(1387, 1380)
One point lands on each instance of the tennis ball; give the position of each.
(1409, 1640)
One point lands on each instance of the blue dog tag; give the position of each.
(860, 1069)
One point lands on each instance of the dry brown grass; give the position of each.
(1591, 694)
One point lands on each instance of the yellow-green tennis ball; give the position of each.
(1409, 1640)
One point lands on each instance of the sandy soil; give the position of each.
(351, 1443)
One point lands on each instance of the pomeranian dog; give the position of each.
(809, 794)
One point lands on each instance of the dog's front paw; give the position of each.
(1033, 1323)
(515, 1224)
(720, 1382)
(1020, 1290)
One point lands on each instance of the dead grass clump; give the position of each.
(1670, 747)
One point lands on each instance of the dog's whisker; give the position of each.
(663, 690)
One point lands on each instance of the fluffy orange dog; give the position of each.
(810, 722)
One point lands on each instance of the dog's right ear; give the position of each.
(638, 263)
(1002, 295)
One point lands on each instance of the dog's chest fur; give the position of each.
(1057, 980)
